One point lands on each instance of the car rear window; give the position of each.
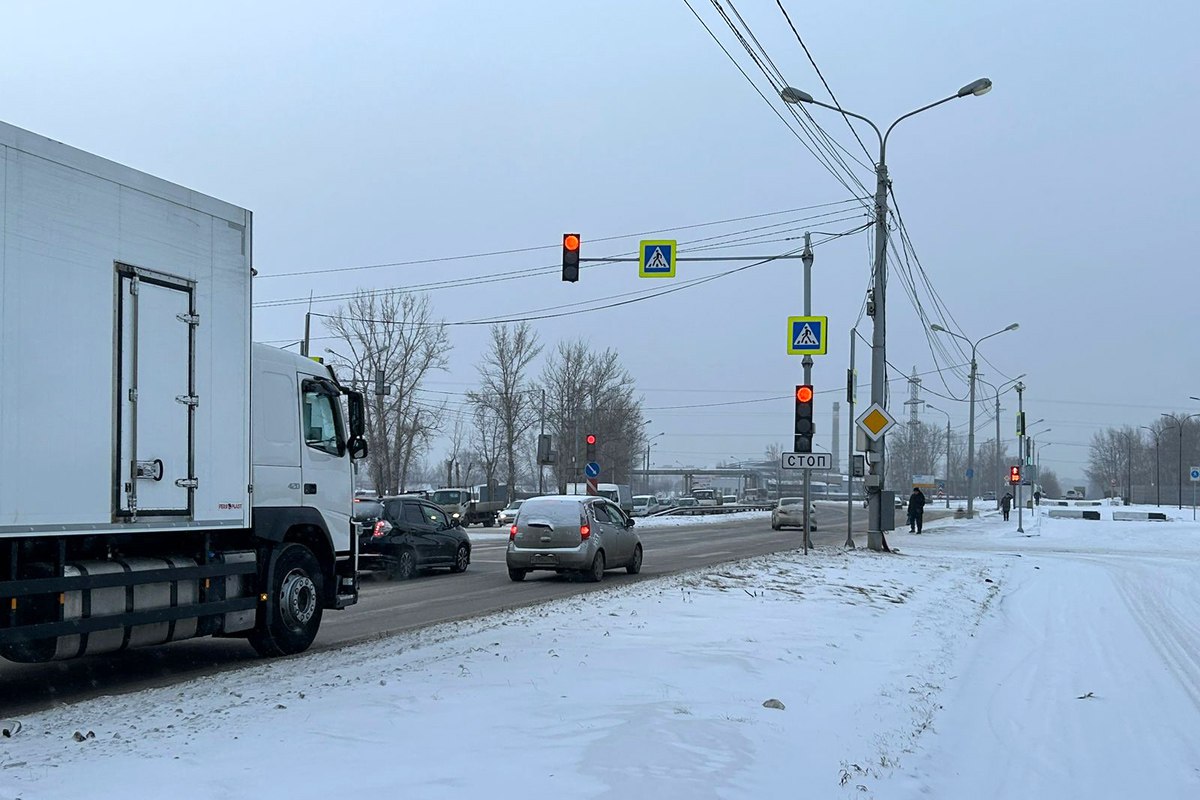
(556, 512)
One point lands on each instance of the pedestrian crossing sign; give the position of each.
(806, 336)
(656, 258)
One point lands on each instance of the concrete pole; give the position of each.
(850, 446)
(947, 462)
(997, 451)
(807, 258)
(1021, 455)
(971, 443)
(875, 536)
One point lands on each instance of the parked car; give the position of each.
(367, 511)
(412, 535)
(508, 514)
(790, 514)
(899, 501)
(644, 505)
(729, 500)
(686, 502)
(572, 533)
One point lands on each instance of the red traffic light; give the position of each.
(570, 241)
(591, 438)
(1014, 474)
(804, 393)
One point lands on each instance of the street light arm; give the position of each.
(888, 132)
(874, 127)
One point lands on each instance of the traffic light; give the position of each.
(591, 447)
(570, 257)
(1014, 474)
(1020, 423)
(804, 419)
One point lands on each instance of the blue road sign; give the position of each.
(592, 469)
(1195, 473)
(656, 258)
(970, 473)
(806, 336)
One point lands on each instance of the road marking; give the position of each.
(713, 553)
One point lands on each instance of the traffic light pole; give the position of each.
(1021, 456)
(808, 362)
(850, 391)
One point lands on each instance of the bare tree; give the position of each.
(914, 449)
(1050, 485)
(505, 388)
(393, 331)
(488, 441)
(1107, 460)
(590, 392)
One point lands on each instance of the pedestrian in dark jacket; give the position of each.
(1006, 505)
(916, 510)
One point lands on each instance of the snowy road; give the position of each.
(672, 544)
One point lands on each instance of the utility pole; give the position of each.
(850, 392)
(1020, 454)
(541, 433)
(807, 259)
(971, 444)
(875, 527)
(1157, 471)
(997, 451)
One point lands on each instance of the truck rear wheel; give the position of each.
(288, 624)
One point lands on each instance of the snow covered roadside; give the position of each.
(973, 664)
(1086, 680)
(644, 690)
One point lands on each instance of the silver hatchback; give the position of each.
(572, 533)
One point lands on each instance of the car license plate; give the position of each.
(544, 560)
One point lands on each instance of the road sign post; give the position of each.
(1195, 476)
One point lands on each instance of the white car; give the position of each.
(644, 505)
(790, 514)
(509, 515)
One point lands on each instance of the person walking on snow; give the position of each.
(916, 510)
(1006, 505)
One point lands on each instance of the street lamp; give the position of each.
(999, 390)
(971, 433)
(875, 538)
(646, 471)
(1157, 434)
(947, 413)
(1178, 420)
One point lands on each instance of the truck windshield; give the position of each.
(447, 498)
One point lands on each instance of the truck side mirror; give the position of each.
(358, 448)
(358, 424)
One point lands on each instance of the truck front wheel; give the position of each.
(289, 622)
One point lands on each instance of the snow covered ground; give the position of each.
(973, 663)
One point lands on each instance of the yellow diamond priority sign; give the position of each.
(875, 421)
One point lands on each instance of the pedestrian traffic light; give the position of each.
(804, 419)
(1014, 474)
(570, 257)
(591, 447)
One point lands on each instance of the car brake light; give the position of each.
(584, 532)
(378, 530)
(512, 533)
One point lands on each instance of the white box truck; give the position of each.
(161, 477)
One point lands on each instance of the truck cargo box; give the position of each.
(125, 346)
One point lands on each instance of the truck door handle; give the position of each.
(310, 488)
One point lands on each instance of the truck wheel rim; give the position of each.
(297, 599)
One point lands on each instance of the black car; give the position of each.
(414, 534)
(367, 511)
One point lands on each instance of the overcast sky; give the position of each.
(1064, 200)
